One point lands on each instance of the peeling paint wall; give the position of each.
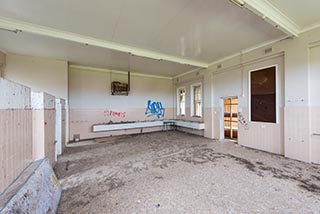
(91, 102)
(15, 131)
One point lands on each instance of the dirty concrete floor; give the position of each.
(174, 172)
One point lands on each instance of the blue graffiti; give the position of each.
(154, 109)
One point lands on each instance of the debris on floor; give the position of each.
(187, 173)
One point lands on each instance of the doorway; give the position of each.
(231, 118)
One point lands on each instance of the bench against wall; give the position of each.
(141, 125)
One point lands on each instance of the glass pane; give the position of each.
(227, 115)
(234, 108)
(182, 98)
(227, 124)
(263, 95)
(227, 108)
(227, 133)
(182, 108)
(197, 109)
(235, 124)
(235, 133)
(196, 93)
(234, 101)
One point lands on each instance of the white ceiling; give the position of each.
(304, 13)
(197, 29)
(200, 30)
(80, 54)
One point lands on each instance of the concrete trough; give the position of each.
(37, 190)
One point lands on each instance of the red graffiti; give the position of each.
(110, 113)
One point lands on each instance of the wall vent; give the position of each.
(219, 66)
(268, 50)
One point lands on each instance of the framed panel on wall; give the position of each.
(263, 95)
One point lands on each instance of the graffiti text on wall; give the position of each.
(154, 109)
(110, 113)
(243, 121)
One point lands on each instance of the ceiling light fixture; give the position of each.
(239, 3)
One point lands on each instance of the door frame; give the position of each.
(222, 135)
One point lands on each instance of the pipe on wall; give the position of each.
(2, 63)
(128, 81)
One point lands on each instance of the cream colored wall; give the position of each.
(315, 102)
(15, 131)
(38, 146)
(49, 133)
(40, 74)
(293, 133)
(64, 129)
(90, 98)
(60, 125)
(43, 126)
(90, 94)
(235, 83)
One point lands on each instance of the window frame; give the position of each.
(276, 66)
(192, 101)
(178, 100)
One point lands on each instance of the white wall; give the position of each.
(43, 126)
(40, 74)
(315, 102)
(92, 89)
(90, 93)
(90, 97)
(299, 99)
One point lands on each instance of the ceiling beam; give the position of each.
(88, 68)
(16, 25)
(271, 14)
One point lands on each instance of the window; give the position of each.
(181, 101)
(196, 109)
(263, 95)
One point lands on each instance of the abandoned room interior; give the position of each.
(162, 106)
